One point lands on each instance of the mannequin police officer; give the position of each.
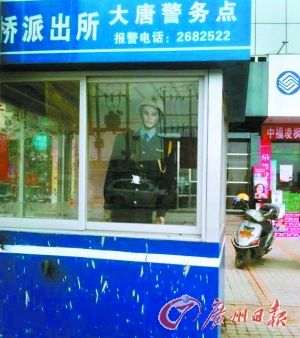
(140, 157)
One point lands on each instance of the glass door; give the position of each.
(238, 170)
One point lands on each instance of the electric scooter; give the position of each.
(255, 234)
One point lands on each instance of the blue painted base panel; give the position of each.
(55, 296)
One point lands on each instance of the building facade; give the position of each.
(265, 148)
(77, 90)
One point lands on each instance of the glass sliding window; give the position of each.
(39, 126)
(238, 170)
(142, 157)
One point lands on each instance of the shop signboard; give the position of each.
(284, 86)
(44, 31)
(281, 132)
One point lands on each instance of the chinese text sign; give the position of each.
(124, 31)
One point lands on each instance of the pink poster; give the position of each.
(290, 227)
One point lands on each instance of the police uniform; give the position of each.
(139, 158)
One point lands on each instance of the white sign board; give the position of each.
(286, 173)
(284, 86)
(277, 196)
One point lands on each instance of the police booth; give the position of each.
(104, 233)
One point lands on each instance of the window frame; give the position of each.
(81, 224)
(50, 224)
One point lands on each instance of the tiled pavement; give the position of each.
(277, 277)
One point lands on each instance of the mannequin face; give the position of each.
(150, 117)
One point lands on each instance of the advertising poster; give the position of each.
(280, 223)
(288, 223)
(260, 183)
(289, 226)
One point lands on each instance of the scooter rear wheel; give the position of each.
(242, 259)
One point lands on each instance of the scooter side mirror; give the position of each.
(270, 211)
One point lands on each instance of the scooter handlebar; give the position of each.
(270, 211)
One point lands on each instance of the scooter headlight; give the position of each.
(245, 233)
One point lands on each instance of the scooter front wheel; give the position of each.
(242, 258)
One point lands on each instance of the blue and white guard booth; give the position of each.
(72, 74)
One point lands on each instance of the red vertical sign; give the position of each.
(3, 157)
(265, 162)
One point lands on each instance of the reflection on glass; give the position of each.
(236, 160)
(39, 149)
(142, 146)
(238, 175)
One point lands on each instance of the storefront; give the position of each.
(276, 177)
(102, 235)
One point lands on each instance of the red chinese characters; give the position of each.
(278, 317)
(239, 315)
(185, 303)
(217, 314)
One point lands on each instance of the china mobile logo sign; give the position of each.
(288, 82)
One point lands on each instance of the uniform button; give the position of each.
(141, 166)
(143, 152)
(136, 189)
(134, 202)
